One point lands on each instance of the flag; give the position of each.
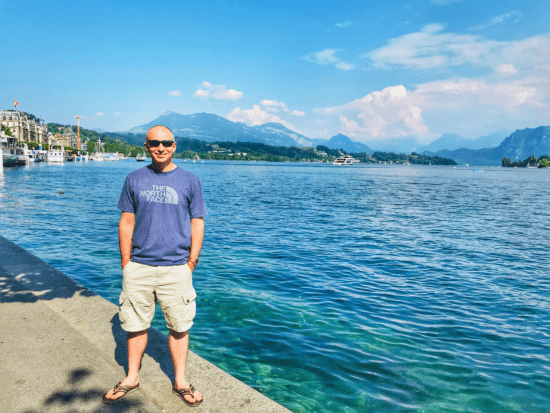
(15, 103)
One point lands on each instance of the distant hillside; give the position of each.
(519, 145)
(451, 141)
(213, 128)
(343, 142)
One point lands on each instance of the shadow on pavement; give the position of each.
(75, 399)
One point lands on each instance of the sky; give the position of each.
(370, 70)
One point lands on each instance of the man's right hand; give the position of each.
(124, 262)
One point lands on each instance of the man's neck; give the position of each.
(163, 166)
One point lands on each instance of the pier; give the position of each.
(62, 348)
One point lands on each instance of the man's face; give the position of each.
(160, 153)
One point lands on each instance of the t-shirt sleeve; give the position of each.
(197, 207)
(126, 201)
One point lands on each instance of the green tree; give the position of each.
(506, 161)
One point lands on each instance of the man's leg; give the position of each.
(179, 346)
(136, 347)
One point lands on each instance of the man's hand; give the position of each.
(191, 265)
(124, 261)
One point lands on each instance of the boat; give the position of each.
(56, 154)
(141, 158)
(346, 160)
(98, 156)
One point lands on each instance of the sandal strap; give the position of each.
(186, 392)
(122, 389)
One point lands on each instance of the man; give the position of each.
(160, 235)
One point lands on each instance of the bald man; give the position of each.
(160, 236)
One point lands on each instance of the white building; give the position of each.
(24, 128)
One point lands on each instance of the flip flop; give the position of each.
(186, 392)
(118, 388)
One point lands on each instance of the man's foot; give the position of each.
(188, 395)
(123, 388)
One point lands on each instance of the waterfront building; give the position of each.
(67, 138)
(25, 127)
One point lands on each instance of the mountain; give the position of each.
(396, 145)
(451, 141)
(98, 130)
(213, 128)
(489, 141)
(448, 141)
(343, 142)
(518, 146)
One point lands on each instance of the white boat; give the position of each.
(12, 154)
(141, 158)
(98, 156)
(56, 154)
(346, 160)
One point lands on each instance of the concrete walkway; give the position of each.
(62, 348)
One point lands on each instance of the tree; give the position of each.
(506, 161)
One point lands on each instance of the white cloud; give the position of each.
(345, 25)
(117, 113)
(514, 16)
(203, 94)
(431, 48)
(464, 93)
(327, 57)
(100, 114)
(297, 113)
(218, 92)
(388, 113)
(256, 116)
(506, 70)
(273, 104)
(230, 94)
(175, 93)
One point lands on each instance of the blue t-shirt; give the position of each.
(164, 204)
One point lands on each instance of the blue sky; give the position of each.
(368, 69)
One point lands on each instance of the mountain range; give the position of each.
(451, 141)
(518, 146)
(486, 150)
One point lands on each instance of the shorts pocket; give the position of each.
(126, 312)
(179, 311)
(189, 296)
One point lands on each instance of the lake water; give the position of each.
(336, 289)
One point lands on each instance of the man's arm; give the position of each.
(125, 233)
(197, 235)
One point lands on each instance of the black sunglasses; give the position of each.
(153, 143)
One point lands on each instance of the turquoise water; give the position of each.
(331, 289)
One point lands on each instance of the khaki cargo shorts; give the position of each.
(145, 285)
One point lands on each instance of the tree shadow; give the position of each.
(73, 399)
(41, 283)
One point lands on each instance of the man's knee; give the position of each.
(178, 335)
(133, 334)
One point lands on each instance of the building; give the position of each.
(67, 138)
(25, 127)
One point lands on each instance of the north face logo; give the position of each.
(161, 194)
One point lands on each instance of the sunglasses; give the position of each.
(153, 143)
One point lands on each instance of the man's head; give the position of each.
(157, 143)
